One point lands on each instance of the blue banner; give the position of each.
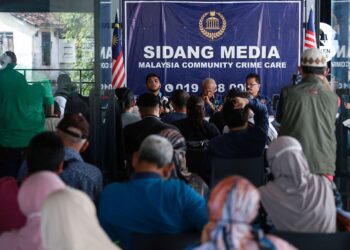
(106, 44)
(185, 42)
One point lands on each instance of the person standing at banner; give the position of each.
(307, 112)
(212, 103)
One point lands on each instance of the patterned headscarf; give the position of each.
(233, 205)
(179, 145)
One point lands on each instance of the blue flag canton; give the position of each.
(116, 44)
(311, 21)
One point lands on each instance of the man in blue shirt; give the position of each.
(242, 140)
(149, 203)
(74, 131)
(252, 82)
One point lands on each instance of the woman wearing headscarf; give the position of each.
(296, 200)
(69, 222)
(10, 215)
(31, 197)
(179, 158)
(233, 205)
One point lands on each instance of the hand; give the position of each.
(219, 107)
(206, 99)
(240, 103)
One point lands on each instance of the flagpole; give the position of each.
(317, 21)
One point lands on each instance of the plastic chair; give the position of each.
(317, 241)
(250, 168)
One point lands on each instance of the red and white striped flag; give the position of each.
(118, 69)
(310, 33)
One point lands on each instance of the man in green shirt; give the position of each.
(307, 112)
(21, 114)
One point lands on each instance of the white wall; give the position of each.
(22, 38)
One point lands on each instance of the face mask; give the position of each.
(4, 61)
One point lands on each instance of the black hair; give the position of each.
(179, 97)
(152, 75)
(12, 55)
(56, 109)
(125, 97)
(45, 152)
(253, 75)
(235, 117)
(195, 110)
(148, 100)
(233, 93)
(313, 70)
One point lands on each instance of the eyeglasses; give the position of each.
(252, 85)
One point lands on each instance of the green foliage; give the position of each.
(79, 28)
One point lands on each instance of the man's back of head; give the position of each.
(125, 98)
(179, 99)
(45, 152)
(74, 131)
(313, 61)
(157, 150)
(148, 104)
(155, 155)
(235, 118)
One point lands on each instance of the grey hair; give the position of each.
(157, 150)
(209, 80)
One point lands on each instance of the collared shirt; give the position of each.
(267, 101)
(172, 117)
(150, 204)
(81, 175)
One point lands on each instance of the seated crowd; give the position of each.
(55, 199)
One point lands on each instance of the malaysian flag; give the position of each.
(118, 69)
(310, 34)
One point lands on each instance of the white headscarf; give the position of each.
(297, 200)
(69, 222)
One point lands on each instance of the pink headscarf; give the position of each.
(32, 194)
(10, 215)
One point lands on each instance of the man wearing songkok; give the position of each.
(307, 112)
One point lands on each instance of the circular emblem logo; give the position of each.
(212, 25)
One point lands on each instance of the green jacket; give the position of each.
(21, 108)
(309, 113)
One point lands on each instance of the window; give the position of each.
(6, 41)
(46, 48)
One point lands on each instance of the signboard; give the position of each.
(66, 51)
(186, 41)
(340, 63)
(105, 44)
